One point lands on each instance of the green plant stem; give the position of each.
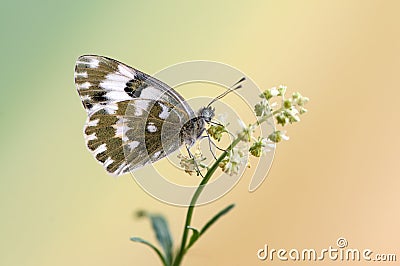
(195, 197)
(182, 250)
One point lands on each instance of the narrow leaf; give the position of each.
(163, 235)
(196, 234)
(140, 240)
(216, 217)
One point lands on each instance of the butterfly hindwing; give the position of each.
(154, 127)
(131, 136)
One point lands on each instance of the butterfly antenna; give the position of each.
(239, 81)
(232, 88)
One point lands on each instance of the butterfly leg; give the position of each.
(209, 145)
(216, 123)
(213, 143)
(194, 161)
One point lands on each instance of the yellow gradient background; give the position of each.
(337, 176)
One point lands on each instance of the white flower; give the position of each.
(261, 146)
(236, 158)
(299, 99)
(192, 165)
(278, 136)
(246, 134)
(274, 91)
(268, 94)
(263, 108)
(292, 114)
(283, 135)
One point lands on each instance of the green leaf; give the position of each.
(216, 217)
(140, 240)
(163, 235)
(194, 237)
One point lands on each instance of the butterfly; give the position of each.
(133, 118)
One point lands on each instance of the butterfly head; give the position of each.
(194, 128)
(206, 113)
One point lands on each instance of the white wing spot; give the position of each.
(100, 149)
(150, 93)
(112, 85)
(93, 123)
(121, 131)
(140, 106)
(156, 155)
(165, 112)
(121, 168)
(151, 127)
(114, 81)
(91, 137)
(81, 75)
(117, 96)
(85, 97)
(133, 144)
(117, 77)
(110, 108)
(85, 85)
(126, 71)
(108, 162)
(93, 63)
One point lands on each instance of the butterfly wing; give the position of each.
(134, 134)
(102, 81)
(133, 118)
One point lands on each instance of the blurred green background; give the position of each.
(337, 176)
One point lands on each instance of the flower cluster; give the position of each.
(246, 134)
(290, 108)
(232, 163)
(192, 164)
(274, 104)
(286, 113)
(260, 146)
(216, 131)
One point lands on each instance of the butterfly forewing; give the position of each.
(133, 118)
